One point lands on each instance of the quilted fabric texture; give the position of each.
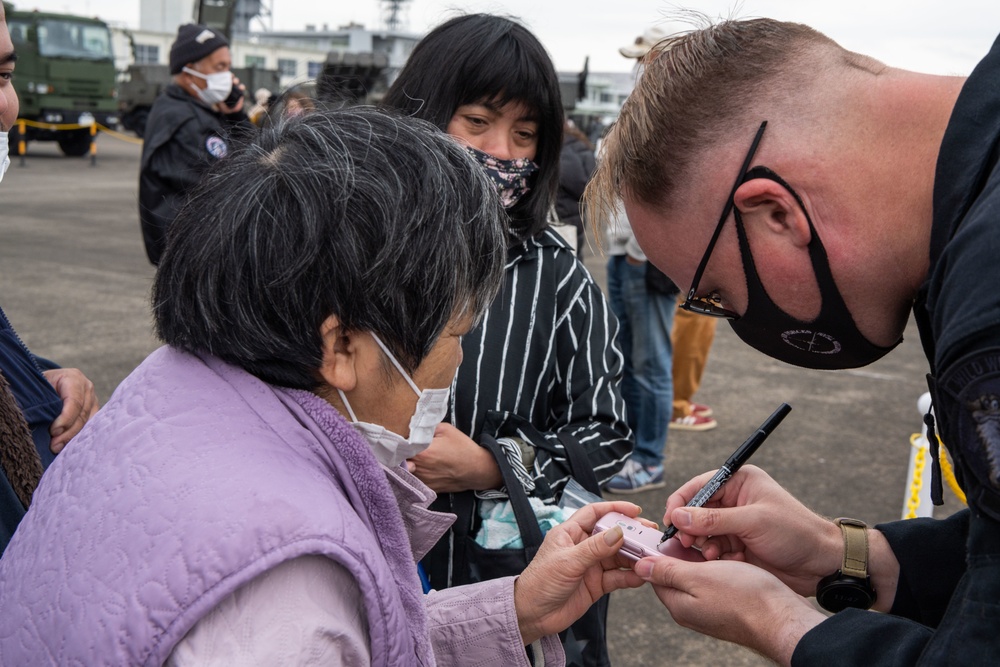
(193, 479)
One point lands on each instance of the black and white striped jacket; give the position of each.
(546, 354)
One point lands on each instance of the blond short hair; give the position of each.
(698, 89)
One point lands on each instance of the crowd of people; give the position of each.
(367, 310)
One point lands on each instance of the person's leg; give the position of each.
(650, 398)
(652, 320)
(692, 338)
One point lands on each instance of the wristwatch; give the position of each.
(850, 586)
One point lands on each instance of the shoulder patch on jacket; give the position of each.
(216, 147)
(972, 387)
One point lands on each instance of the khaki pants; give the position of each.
(692, 338)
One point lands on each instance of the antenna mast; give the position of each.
(392, 10)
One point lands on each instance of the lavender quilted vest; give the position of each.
(192, 480)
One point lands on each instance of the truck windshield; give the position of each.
(72, 39)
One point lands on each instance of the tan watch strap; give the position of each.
(855, 547)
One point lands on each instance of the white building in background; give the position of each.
(605, 94)
(294, 65)
(163, 16)
(297, 55)
(158, 23)
(351, 38)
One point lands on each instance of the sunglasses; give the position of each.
(711, 304)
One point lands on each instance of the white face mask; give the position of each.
(4, 154)
(391, 449)
(220, 84)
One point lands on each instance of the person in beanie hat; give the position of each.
(193, 43)
(188, 128)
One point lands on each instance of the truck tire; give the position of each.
(75, 143)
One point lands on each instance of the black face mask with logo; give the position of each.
(831, 341)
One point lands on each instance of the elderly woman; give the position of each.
(240, 499)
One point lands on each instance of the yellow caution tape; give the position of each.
(58, 127)
(919, 463)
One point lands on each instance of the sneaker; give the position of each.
(700, 410)
(635, 477)
(693, 422)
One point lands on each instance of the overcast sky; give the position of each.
(938, 36)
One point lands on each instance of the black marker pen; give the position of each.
(734, 463)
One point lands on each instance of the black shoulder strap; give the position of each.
(583, 471)
(531, 534)
(579, 464)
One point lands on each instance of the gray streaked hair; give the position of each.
(385, 222)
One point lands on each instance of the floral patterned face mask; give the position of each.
(509, 176)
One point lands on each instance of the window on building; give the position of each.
(147, 54)
(288, 67)
(255, 61)
(314, 69)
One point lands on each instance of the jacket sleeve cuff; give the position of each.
(863, 638)
(477, 624)
(920, 597)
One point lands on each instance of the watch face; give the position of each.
(840, 591)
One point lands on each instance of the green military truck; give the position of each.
(65, 78)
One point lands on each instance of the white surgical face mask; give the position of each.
(220, 84)
(391, 449)
(4, 154)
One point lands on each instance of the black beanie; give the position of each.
(193, 43)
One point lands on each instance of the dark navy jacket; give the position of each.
(40, 404)
(184, 137)
(947, 605)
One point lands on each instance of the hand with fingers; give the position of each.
(79, 404)
(752, 518)
(571, 571)
(765, 554)
(765, 551)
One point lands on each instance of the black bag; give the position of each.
(658, 282)
(585, 641)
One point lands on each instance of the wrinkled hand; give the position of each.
(571, 571)
(733, 601)
(753, 519)
(454, 462)
(79, 404)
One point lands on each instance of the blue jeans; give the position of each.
(645, 320)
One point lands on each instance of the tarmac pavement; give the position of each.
(75, 284)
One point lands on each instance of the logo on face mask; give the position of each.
(509, 176)
(831, 341)
(811, 341)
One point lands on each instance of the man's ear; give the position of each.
(339, 365)
(763, 202)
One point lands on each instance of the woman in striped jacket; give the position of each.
(541, 371)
